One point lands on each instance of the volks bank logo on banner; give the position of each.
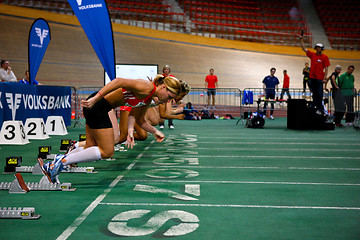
(39, 39)
(79, 2)
(42, 33)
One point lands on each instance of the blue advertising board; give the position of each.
(22, 101)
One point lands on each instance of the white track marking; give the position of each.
(231, 206)
(247, 182)
(260, 156)
(97, 201)
(271, 149)
(283, 143)
(240, 167)
(271, 138)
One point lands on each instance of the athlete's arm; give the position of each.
(139, 114)
(164, 113)
(140, 88)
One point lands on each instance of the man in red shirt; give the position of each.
(285, 88)
(211, 83)
(317, 78)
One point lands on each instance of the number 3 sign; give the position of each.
(13, 132)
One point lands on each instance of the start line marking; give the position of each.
(231, 206)
(98, 200)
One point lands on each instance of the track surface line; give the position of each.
(231, 206)
(67, 233)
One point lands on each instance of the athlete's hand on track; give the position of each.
(130, 141)
(159, 136)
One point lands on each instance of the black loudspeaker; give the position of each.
(301, 116)
(295, 113)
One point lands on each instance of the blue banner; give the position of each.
(93, 16)
(22, 101)
(39, 39)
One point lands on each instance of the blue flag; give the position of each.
(93, 16)
(39, 39)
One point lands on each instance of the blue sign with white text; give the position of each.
(22, 101)
(39, 39)
(93, 16)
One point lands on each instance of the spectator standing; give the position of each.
(6, 74)
(337, 96)
(270, 84)
(306, 72)
(211, 83)
(318, 74)
(346, 84)
(26, 80)
(166, 72)
(286, 85)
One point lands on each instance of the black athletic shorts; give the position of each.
(211, 91)
(97, 117)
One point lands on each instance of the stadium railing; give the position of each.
(227, 101)
(230, 101)
(257, 100)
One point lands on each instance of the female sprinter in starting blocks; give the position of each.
(135, 93)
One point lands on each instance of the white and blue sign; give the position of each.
(22, 101)
(39, 39)
(93, 16)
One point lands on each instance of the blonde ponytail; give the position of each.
(172, 83)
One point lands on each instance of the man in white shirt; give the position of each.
(6, 75)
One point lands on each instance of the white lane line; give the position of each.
(67, 233)
(231, 206)
(271, 149)
(271, 138)
(251, 156)
(281, 143)
(239, 167)
(246, 182)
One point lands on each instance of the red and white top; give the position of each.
(132, 101)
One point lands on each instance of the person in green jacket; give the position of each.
(346, 84)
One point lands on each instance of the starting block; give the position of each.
(55, 126)
(22, 213)
(13, 164)
(18, 185)
(12, 132)
(35, 128)
(36, 170)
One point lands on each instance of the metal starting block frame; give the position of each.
(27, 213)
(36, 170)
(18, 185)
